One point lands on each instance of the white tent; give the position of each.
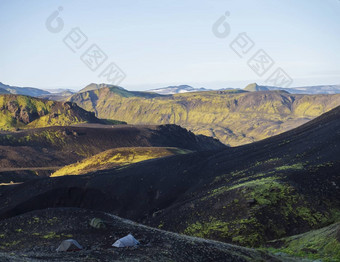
(127, 241)
(69, 245)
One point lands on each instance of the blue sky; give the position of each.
(161, 43)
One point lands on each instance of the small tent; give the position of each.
(127, 241)
(69, 245)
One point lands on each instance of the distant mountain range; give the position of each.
(60, 90)
(312, 90)
(222, 114)
(234, 116)
(27, 91)
(171, 90)
(60, 94)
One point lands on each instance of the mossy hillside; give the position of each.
(8, 120)
(117, 157)
(63, 119)
(321, 244)
(29, 103)
(254, 205)
(56, 138)
(234, 118)
(266, 201)
(24, 112)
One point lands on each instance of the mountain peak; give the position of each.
(253, 87)
(94, 86)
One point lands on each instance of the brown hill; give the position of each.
(44, 150)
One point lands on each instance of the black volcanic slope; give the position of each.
(281, 186)
(42, 231)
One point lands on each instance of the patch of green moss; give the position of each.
(237, 230)
(113, 122)
(297, 166)
(52, 137)
(265, 198)
(52, 220)
(317, 244)
(66, 235)
(12, 243)
(271, 160)
(51, 235)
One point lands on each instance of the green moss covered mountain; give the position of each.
(235, 117)
(23, 112)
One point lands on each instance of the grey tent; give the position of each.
(69, 245)
(127, 241)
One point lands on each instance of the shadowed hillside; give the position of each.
(3, 91)
(55, 147)
(235, 117)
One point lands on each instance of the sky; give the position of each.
(152, 44)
